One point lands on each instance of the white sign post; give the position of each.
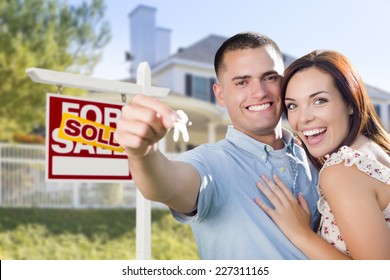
(143, 86)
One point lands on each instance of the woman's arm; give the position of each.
(293, 218)
(352, 198)
(354, 203)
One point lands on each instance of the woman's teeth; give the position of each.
(313, 131)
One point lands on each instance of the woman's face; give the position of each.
(317, 111)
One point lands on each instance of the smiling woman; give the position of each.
(332, 86)
(328, 106)
(316, 111)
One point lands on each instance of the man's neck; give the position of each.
(276, 142)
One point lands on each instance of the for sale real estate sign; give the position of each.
(80, 142)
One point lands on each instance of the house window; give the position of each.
(199, 87)
(388, 113)
(378, 110)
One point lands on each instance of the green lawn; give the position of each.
(67, 234)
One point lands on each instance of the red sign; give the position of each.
(80, 142)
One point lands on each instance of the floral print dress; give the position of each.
(328, 227)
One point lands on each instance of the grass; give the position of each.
(93, 234)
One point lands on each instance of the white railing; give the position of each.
(22, 184)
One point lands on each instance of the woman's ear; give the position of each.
(350, 110)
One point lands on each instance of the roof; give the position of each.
(201, 51)
(288, 59)
(205, 49)
(377, 93)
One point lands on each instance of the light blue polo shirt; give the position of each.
(228, 223)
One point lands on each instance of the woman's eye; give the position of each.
(320, 101)
(290, 106)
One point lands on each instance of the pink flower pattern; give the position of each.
(328, 226)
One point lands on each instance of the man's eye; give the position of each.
(240, 83)
(272, 78)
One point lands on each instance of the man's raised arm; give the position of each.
(144, 121)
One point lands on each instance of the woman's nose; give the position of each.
(306, 115)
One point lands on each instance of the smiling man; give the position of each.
(212, 187)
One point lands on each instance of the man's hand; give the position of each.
(144, 121)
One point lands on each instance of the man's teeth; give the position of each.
(313, 131)
(259, 107)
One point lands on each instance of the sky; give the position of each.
(360, 29)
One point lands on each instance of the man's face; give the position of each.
(250, 88)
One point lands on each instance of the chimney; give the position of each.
(163, 48)
(147, 42)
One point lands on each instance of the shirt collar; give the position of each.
(256, 147)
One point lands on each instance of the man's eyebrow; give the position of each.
(272, 72)
(241, 77)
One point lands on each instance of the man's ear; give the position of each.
(218, 95)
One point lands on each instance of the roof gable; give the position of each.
(202, 51)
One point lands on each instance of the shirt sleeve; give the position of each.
(211, 163)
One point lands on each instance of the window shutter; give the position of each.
(188, 84)
(212, 96)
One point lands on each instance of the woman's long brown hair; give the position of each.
(349, 83)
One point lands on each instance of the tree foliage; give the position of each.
(49, 34)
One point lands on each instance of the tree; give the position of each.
(48, 34)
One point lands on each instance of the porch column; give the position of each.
(385, 115)
(212, 132)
